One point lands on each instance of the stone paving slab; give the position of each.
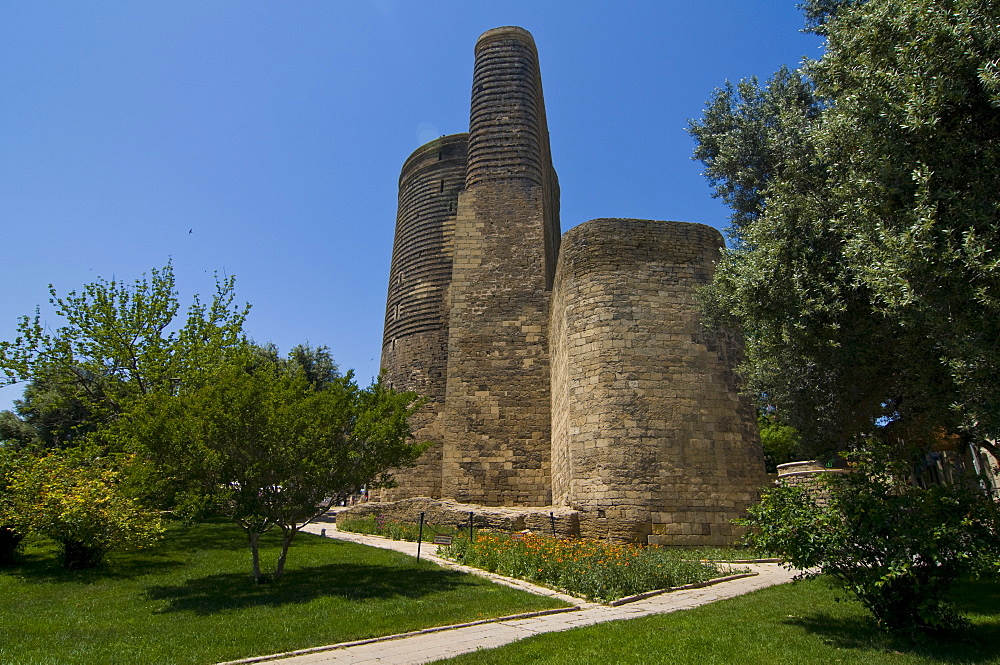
(426, 647)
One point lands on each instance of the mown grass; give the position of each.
(791, 624)
(191, 599)
(593, 569)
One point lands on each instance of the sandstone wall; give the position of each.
(451, 513)
(577, 375)
(651, 438)
(809, 474)
(497, 420)
(415, 342)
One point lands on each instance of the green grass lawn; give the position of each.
(191, 599)
(791, 624)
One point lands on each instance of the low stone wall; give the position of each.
(443, 511)
(808, 474)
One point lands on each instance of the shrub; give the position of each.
(896, 547)
(10, 535)
(81, 504)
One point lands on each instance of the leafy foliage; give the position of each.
(119, 342)
(50, 414)
(267, 446)
(80, 503)
(781, 442)
(866, 195)
(10, 534)
(896, 547)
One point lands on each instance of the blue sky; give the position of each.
(264, 139)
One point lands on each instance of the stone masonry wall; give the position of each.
(650, 438)
(810, 475)
(497, 421)
(543, 520)
(567, 374)
(415, 342)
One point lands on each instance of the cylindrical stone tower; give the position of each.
(497, 439)
(508, 132)
(415, 342)
(651, 438)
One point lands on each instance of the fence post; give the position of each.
(420, 535)
(552, 517)
(470, 528)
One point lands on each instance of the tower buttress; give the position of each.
(497, 410)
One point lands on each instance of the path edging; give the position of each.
(694, 585)
(397, 636)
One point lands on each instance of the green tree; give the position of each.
(82, 502)
(895, 547)
(51, 413)
(120, 341)
(271, 448)
(866, 194)
(781, 442)
(15, 432)
(315, 362)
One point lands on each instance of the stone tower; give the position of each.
(650, 439)
(497, 422)
(578, 376)
(415, 342)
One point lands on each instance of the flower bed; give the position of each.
(597, 570)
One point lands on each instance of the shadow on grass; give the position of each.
(44, 566)
(40, 559)
(228, 591)
(214, 535)
(978, 600)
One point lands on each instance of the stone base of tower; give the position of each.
(545, 520)
(558, 521)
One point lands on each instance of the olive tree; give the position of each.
(865, 189)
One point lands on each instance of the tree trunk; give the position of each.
(253, 537)
(286, 540)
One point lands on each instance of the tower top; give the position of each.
(505, 31)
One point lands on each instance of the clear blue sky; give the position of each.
(264, 139)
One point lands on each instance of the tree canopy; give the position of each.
(119, 341)
(269, 445)
(127, 408)
(865, 189)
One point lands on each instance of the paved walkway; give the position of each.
(435, 644)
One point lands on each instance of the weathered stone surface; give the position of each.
(650, 429)
(562, 521)
(809, 475)
(496, 414)
(415, 342)
(580, 377)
